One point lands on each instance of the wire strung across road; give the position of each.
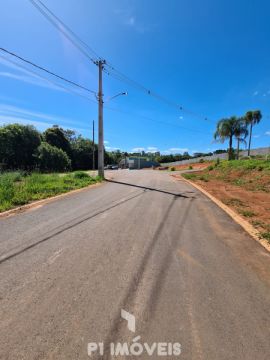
(111, 70)
(48, 80)
(46, 70)
(5, 51)
(154, 120)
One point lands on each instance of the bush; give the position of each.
(18, 143)
(190, 167)
(50, 158)
(217, 162)
(80, 175)
(210, 168)
(172, 168)
(201, 161)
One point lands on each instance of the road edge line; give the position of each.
(234, 215)
(23, 208)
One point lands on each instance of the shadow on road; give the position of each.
(68, 226)
(151, 189)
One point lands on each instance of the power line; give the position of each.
(60, 28)
(69, 29)
(46, 70)
(48, 80)
(78, 94)
(154, 120)
(113, 71)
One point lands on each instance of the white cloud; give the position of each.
(152, 149)
(106, 142)
(130, 21)
(267, 133)
(256, 136)
(10, 119)
(29, 77)
(11, 114)
(178, 150)
(109, 148)
(138, 149)
(255, 93)
(32, 80)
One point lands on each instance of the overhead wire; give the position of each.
(46, 70)
(46, 79)
(154, 120)
(60, 28)
(113, 72)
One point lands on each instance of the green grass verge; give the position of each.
(17, 188)
(265, 235)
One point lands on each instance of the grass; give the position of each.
(242, 178)
(234, 202)
(265, 235)
(247, 213)
(17, 188)
(190, 176)
(253, 174)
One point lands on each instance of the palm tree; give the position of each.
(252, 118)
(226, 129)
(241, 132)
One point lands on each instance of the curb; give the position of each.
(235, 216)
(41, 202)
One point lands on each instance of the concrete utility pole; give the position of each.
(93, 147)
(100, 64)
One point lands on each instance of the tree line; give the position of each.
(58, 149)
(238, 128)
(55, 149)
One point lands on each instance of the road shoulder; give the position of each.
(251, 230)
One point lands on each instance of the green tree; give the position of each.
(18, 144)
(226, 130)
(58, 137)
(82, 154)
(252, 118)
(51, 158)
(241, 132)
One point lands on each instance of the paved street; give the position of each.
(143, 242)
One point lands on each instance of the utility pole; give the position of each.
(100, 64)
(93, 145)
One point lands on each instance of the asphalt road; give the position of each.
(143, 242)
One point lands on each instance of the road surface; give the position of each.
(143, 242)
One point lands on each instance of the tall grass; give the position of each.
(245, 164)
(17, 188)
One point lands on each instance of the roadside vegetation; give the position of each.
(243, 185)
(237, 128)
(19, 188)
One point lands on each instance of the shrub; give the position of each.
(210, 168)
(50, 158)
(172, 168)
(201, 161)
(18, 144)
(217, 162)
(190, 167)
(265, 235)
(80, 175)
(248, 213)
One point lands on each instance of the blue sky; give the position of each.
(210, 56)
